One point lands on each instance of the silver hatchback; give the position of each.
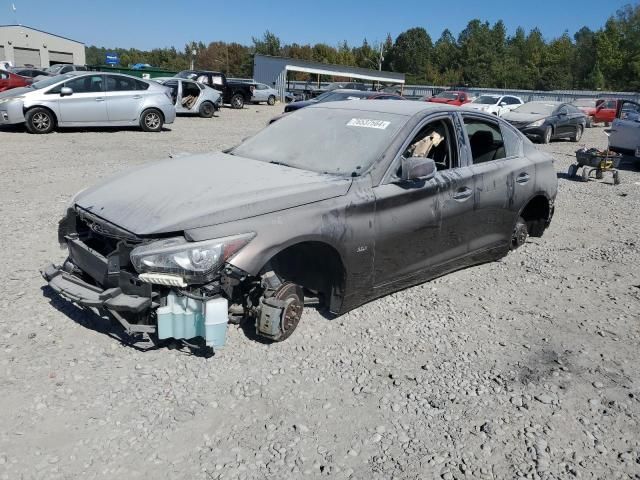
(88, 100)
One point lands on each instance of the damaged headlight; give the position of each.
(537, 123)
(195, 261)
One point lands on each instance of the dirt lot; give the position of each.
(527, 367)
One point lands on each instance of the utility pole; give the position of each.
(381, 57)
(193, 57)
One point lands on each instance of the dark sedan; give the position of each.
(342, 94)
(349, 201)
(29, 72)
(546, 120)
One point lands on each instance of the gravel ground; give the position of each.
(522, 368)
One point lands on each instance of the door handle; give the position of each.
(462, 194)
(99, 99)
(137, 97)
(523, 178)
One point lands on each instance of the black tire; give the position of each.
(206, 110)
(546, 136)
(616, 178)
(578, 135)
(271, 100)
(151, 120)
(237, 101)
(520, 234)
(40, 120)
(573, 169)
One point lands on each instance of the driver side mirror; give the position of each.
(66, 91)
(502, 104)
(418, 168)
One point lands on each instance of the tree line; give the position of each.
(482, 55)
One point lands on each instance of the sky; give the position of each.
(147, 24)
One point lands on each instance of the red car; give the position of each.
(10, 80)
(450, 97)
(605, 110)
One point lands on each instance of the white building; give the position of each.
(28, 46)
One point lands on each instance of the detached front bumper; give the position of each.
(78, 291)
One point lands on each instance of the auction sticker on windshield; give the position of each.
(368, 123)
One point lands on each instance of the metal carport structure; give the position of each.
(273, 71)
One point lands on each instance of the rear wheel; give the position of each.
(546, 136)
(40, 120)
(271, 100)
(573, 169)
(520, 234)
(151, 120)
(237, 101)
(207, 109)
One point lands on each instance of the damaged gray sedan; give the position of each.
(338, 204)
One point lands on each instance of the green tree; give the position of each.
(411, 53)
(269, 44)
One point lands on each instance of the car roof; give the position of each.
(407, 108)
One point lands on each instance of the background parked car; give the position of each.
(495, 104)
(60, 68)
(29, 72)
(624, 136)
(337, 95)
(606, 111)
(234, 93)
(264, 93)
(545, 121)
(10, 80)
(192, 97)
(588, 107)
(88, 100)
(450, 97)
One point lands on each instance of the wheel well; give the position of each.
(55, 119)
(315, 266)
(536, 215)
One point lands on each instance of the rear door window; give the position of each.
(116, 83)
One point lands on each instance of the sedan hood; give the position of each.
(15, 92)
(203, 190)
(523, 118)
(441, 100)
(478, 106)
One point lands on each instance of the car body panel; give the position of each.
(9, 80)
(502, 104)
(225, 188)
(181, 87)
(459, 98)
(564, 120)
(262, 92)
(387, 233)
(625, 130)
(91, 108)
(606, 110)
